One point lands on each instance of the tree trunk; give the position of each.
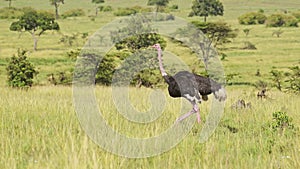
(35, 41)
(205, 19)
(56, 10)
(9, 3)
(279, 86)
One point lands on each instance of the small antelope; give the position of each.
(261, 94)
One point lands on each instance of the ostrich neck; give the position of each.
(161, 68)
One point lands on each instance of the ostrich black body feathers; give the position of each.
(191, 86)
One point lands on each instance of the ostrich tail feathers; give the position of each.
(220, 94)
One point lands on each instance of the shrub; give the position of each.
(140, 9)
(281, 121)
(20, 71)
(105, 8)
(291, 21)
(174, 7)
(124, 12)
(107, 68)
(73, 13)
(144, 73)
(252, 18)
(296, 15)
(61, 78)
(73, 54)
(130, 11)
(278, 20)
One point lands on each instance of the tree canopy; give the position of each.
(218, 32)
(139, 64)
(35, 23)
(207, 8)
(158, 3)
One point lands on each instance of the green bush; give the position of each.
(174, 7)
(291, 21)
(61, 78)
(297, 15)
(144, 73)
(252, 18)
(281, 121)
(73, 54)
(73, 13)
(140, 9)
(107, 67)
(105, 8)
(20, 71)
(124, 12)
(130, 11)
(279, 20)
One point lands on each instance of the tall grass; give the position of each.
(39, 129)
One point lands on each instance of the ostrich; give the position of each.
(191, 86)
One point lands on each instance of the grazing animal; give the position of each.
(52, 79)
(262, 94)
(191, 86)
(241, 104)
(249, 105)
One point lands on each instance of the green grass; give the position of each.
(39, 127)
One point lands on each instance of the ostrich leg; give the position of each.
(195, 109)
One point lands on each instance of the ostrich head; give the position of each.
(157, 46)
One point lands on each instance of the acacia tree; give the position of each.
(35, 23)
(56, 4)
(158, 3)
(207, 8)
(132, 40)
(96, 2)
(218, 33)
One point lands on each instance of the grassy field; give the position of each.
(42, 131)
(39, 127)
